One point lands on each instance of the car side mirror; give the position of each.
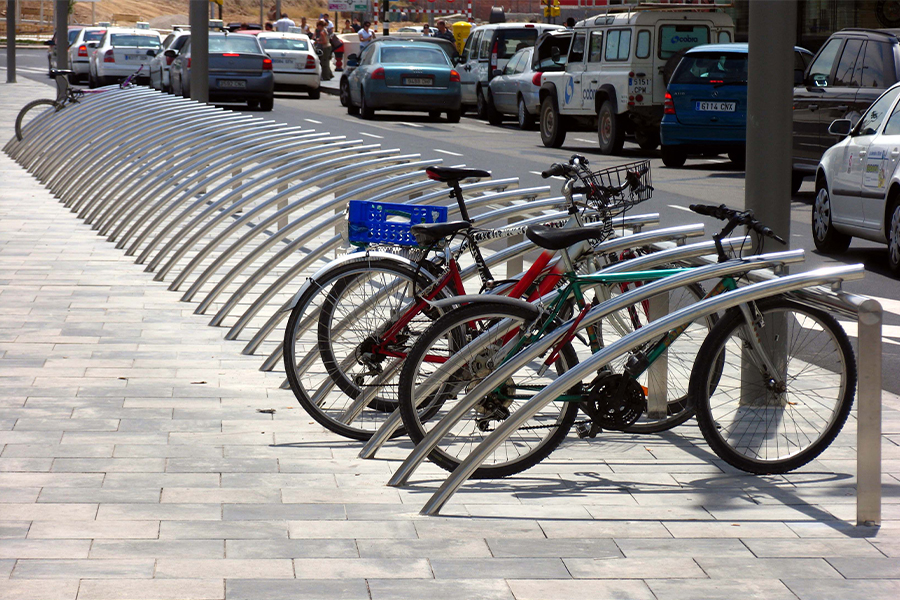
(840, 127)
(92, 44)
(353, 61)
(170, 53)
(818, 80)
(496, 73)
(554, 54)
(151, 52)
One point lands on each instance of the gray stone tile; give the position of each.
(477, 528)
(93, 529)
(80, 480)
(558, 547)
(830, 589)
(867, 568)
(240, 496)
(431, 548)
(728, 530)
(634, 568)
(152, 589)
(59, 450)
(14, 530)
(278, 481)
(367, 568)
(182, 568)
(455, 589)
(160, 512)
(6, 567)
(108, 465)
(104, 495)
(604, 529)
(13, 548)
(351, 529)
(205, 530)
(84, 569)
(67, 425)
(291, 512)
(158, 548)
(768, 568)
(16, 495)
(49, 512)
(162, 480)
(315, 495)
(655, 548)
(25, 465)
(165, 451)
(584, 589)
(310, 589)
(813, 548)
(305, 548)
(887, 547)
(505, 568)
(37, 589)
(717, 589)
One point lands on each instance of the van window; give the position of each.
(484, 48)
(820, 71)
(510, 41)
(544, 53)
(595, 48)
(576, 54)
(673, 38)
(724, 37)
(471, 46)
(618, 44)
(642, 49)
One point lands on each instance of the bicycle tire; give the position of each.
(26, 111)
(466, 435)
(321, 370)
(823, 356)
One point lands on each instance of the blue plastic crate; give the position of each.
(388, 222)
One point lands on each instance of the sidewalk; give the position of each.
(136, 464)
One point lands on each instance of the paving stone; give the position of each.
(351, 529)
(13, 530)
(368, 568)
(768, 568)
(17, 548)
(100, 495)
(20, 480)
(111, 548)
(505, 568)
(84, 569)
(166, 512)
(603, 529)
(93, 529)
(16, 495)
(729, 530)
(162, 480)
(310, 589)
(23, 589)
(455, 589)
(305, 548)
(811, 548)
(633, 568)
(59, 450)
(431, 548)
(205, 530)
(592, 548)
(152, 589)
(717, 589)
(316, 495)
(165, 451)
(239, 496)
(830, 589)
(183, 568)
(867, 568)
(13, 465)
(654, 548)
(303, 513)
(222, 465)
(477, 528)
(585, 589)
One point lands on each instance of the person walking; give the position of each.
(323, 43)
(366, 36)
(329, 24)
(304, 27)
(284, 24)
(355, 25)
(443, 32)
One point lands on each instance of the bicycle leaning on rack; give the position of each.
(66, 94)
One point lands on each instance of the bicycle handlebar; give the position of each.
(746, 218)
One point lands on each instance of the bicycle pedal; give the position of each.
(584, 430)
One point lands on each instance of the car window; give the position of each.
(134, 40)
(169, 39)
(711, 67)
(284, 44)
(820, 71)
(618, 44)
(472, 43)
(642, 49)
(843, 75)
(484, 48)
(233, 43)
(576, 54)
(367, 55)
(179, 42)
(93, 36)
(673, 38)
(511, 65)
(545, 62)
(595, 47)
(892, 127)
(870, 121)
(525, 64)
(801, 61)
(413, 56)
(724, 37)
(73, 35)
(511, 41)
(875, 66)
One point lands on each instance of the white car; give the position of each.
(159, 66)
(858, 182)
(295, 63)
(79, 52)
(121, 52)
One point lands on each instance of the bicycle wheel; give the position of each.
(448, 337)
(31, 112)
(744, 416)
(340, 315)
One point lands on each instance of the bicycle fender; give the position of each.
(482, 299)
(354, 257)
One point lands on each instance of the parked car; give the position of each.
(403, 75)
(858, 181)
(705, 110)
(294, 62)
(51, 48)
(79, 52)
(121, 52)
(488, 48)
(848, 73)
(159, 66)
(514, 91)
(239, 71)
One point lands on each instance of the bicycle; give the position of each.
(66, 94)
(368, 309)
(481, 337)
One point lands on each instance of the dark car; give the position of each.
(849, 72)
(239, 71)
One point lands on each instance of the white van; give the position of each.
(488, 48)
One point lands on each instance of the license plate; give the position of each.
(418, 81)
(232, 83)
(132, 57)
(714, 106)
(281, 61)
(639, 81)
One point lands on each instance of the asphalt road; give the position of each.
(507, 152)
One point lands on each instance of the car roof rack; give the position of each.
(666, 6)
(892, 32)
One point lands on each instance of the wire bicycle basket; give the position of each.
(604, 186)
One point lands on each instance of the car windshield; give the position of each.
(511, 41)
(413, 56)
(239, 45)
(134, 41)
(284, 44)
(93, 36)
(711, 67)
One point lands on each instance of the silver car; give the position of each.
(514, 91)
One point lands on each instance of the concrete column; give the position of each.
(10, 41)
(199, 50)
(62, 34)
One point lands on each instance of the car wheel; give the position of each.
(525, 118)
(480, 105)
(493, 117)
(92, 81)
(345, 93)
(553, 132)
(738, 157)
(825, 236)
(434, 115)
(610, 130)
(253, 104)
(893, 237)
(73, 78)
(673, 156)
(267, 104)
(796, 182)
(317, 93)
(453, 116)
(648, 140)
(365, 110)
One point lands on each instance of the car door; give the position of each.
(882, 159)
(875, 72)
(359, 74)
(572, 94)
(502, 89)
(840, 95)
(807, 100)
(468, 71)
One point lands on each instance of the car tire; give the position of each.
(524, 118)
(825, 236)
(648, 140)
(553, 131)
(610, 130)
(892, 229)
(493, 117)
(92, 81)
(73, 78)
(365, 111)
(316, 94)
(673, 156)
(796, 182)
(738, 158)
(453, 116)
(345, 94)
(481, 104)
(434, 115)
(267, 104)
(253, 104)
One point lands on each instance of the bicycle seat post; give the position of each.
(457, 192)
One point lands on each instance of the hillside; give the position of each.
(165, 10)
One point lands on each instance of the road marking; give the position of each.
(448, 152)
(684, 208)
(584, 140)
(411, 124)
(313, 121)
(372, 135)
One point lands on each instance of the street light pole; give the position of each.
(62, 34)
(10, 41)
(199, 50)
(385, 7)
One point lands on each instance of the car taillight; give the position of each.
(267, 64)
(230, 54)
(108, 57)
(82, 50)
(494, 57)
(310, 62)
(536, 80)
(454, 76)
(189, 63)
(668, 105)
(169, 60)
(377, 73)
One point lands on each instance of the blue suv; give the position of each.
(705, 109)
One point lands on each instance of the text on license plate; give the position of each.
(418, 81)
(132, 57)
(281, 61)
(639, 81)
(714, 106)
(232, 83)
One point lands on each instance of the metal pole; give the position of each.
(62, 34)
(868, 428)
(277, 9)
(93, 13)
(10, 41)
(262, 15)
(385, 7)
(199, 51)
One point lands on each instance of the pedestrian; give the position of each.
(329, 24)
(426, 30)
(348, 28)
(355, 25)
(284, 24)
(366, 36)
(443, 32)
(269, 27)
(304, 27)
(323, 43)
(570, 23)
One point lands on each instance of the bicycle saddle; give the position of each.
(557, 239)
(63, 72)
(447, 174)
(427, 234)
